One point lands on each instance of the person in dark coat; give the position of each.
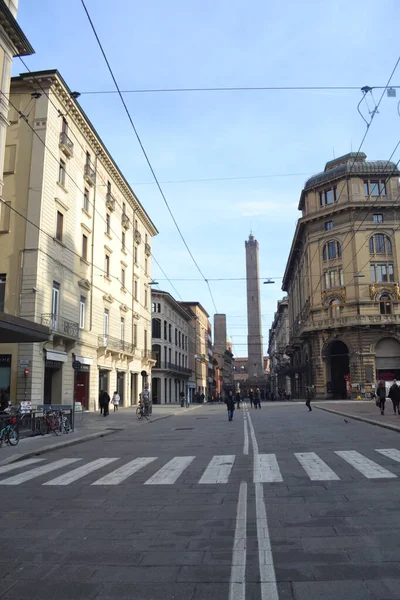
(308, 399)
(106, 402)
(257, 399)
(230, 405)
(381, 396)
(101, 403)
(251, 397)
(238, 398)
(394, 395)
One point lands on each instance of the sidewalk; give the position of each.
(362, 410)
(89, 426)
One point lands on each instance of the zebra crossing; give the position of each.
(266, 468)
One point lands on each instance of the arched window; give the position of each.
(335, 308)
(156, 328)
(385, 304)
(156, 350)
(331, 250)
(380, 244)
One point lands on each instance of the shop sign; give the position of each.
(53, 364)
(84, 368)
(5, 360)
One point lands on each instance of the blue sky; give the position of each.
(216, 135)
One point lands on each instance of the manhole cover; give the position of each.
(183, 428)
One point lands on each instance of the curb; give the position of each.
(363, 419)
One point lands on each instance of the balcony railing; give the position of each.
(61, 326)
(169, 366)
(90, 174)
(147, 249)
(125, 222)
(137, 236)
(66, 144)
(110, 201)
(149, 354)
(113, 343)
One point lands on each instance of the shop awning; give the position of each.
(14, 330)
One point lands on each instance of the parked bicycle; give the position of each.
(9, 432)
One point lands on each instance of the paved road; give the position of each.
(278, 504)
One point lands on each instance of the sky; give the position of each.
(252, 150)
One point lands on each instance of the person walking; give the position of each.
(381, 396)
(101, 402)
(106, 402)
(394, 395)
(251, 398)
(116, 399)
(238, 398)
(182, 398)
(230, 405)
(308, 399)
(146, 399)
(257, 399)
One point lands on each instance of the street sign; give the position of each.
(24, 363)
(76, 365)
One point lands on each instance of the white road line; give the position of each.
(19, 464)
(246, 434)
(237, 584)
(119, 475)
(269, 590)
(28, 475)
(218, 469)
(390, 453)
(367, 467)
(315, 467)
(170, 472)
(80, 472)
(266, 469)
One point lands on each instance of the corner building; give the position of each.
(75, 253)
(342, 280)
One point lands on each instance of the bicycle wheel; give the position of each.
(13, 436)
(139, 413)
(146, 414)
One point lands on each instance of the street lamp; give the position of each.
(152, 282)
(269, 280)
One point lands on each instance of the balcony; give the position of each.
(137, 236)
(352, 321)
(110, 201)
(60, 326)
(125, 222)
(169, 366)
(115, 344)
(89, 174)
(66, 144)
(147, 249)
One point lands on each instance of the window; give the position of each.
(176, 336)
(108, 224)
(107, 265)
(170, 332)
(59, 226)
(378, 218)
(123, 208)
(109, 187)
(156, 328)
(145, 298)
(136, 224)
(333, 278)
(179, 339)
(64, 126)
(385, 305)
(122, 329)
(82, 312)
(145, 238)
(88, 158)
(106, 324)
(169, 355)
(84, 246)
(5, 211)
(165, 356)
(145, 266)
(135, 255)
(328, 225)
(375, 188)
(382, 272)
(135, 334)
(156, 307)
(55, 304)
(380, 244)
(3, 279)
(86, 200)
(331, 250)
(165, 330)
(135, 287)
(145, 340)
(61, 173)
(328, 196)
(123, 241)
(123, 277)
(176, 357)
(335, 308)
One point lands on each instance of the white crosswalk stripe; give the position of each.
(266, 469)
(390, 453)
(119, 475)
(80, 472)
(19, 464)
(315, 467)
(170, 472)
(366, 466)
(218, 470)
(28, 475)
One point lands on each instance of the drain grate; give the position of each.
(183, 428)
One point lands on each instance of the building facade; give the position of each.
(223, 358)
(241, 374)
(200, 351)
(254, 333)
(278, 341)
(170, 345)
(342, 280)
(75, 253)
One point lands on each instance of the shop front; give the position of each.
(5, 378)
(53, 371)
(82, 380)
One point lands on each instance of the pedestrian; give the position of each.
(394, 395)
(238, 398)
(182, 398)
(101, 402)
(202, 398)
(308, 399)
(257, 399)
(106, 402)
(251, 397)
(381, 396)
(116, 399)
(230, 405)
(146, 399)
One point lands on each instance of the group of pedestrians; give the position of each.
(104, 402)
(233, 402)
(394, 395)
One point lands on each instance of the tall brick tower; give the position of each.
(254, 333)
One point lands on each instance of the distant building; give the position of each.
(241, 373)
(278, 340)
(223, 358)
(200, 350)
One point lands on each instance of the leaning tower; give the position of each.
(254, 334)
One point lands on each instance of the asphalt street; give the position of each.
(279, 504)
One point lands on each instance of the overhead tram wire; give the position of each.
(145, 153)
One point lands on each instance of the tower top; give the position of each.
(251, 241)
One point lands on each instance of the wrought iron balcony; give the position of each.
(66, 144)
(147, 249)
(113, 343)
(90, 174)
(59, 325)
(125, 222)
(137, 236)
(110, 201)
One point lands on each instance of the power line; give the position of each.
(224, 178)
(144, 151)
